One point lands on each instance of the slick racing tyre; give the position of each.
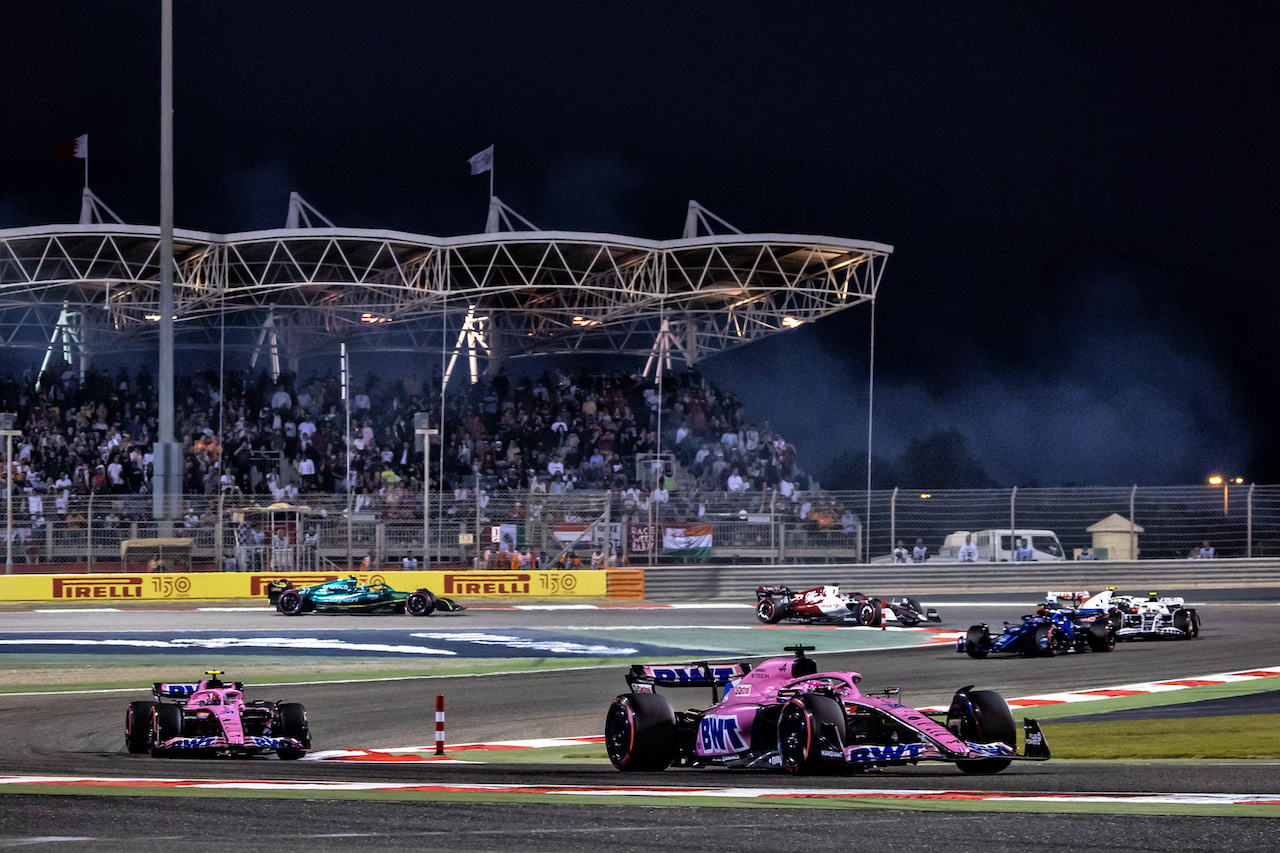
(290, 602)
(809, 726)
(866, 613)
(977, 642)
(293, 723)
(420, 603)
(1101, 636)
(982, 716)
(1188, 622)
(768, 611)
(877, 612)
(166, 723)
(1048, 641)
(640, 732)
(137, 727)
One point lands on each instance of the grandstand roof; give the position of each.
(545, 291)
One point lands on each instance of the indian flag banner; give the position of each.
(692, 541)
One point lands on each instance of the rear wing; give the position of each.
(762, 591)
(182, 692)
(643, 678)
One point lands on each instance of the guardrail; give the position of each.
(1175, 577)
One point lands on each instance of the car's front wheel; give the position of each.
(806, 723)
(293, 724)
(166, 724)
(640, 732)
(982, 716)
(977, 642)
(1188, 622)
(137, 727)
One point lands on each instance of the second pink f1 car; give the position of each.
(828, 604)
(784, 713)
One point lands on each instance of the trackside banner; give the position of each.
(115, 588)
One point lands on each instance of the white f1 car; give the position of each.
(1139, 617)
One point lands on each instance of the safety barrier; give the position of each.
(1176, 577)
(625, 584)
(124, 587)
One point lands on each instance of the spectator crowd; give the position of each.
(286, 437)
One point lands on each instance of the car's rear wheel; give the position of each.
(977, 642)
(293, 724)
(137, 726)
(420, 603)
(982, 716)
(877, 612)
(807, 724)
(166, 724)
(1101, 636)
(768, 611)
(290, 602)
(640, 732)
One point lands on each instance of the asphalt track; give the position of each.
(80, 734)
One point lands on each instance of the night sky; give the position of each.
(1082, 197)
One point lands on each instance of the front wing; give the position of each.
(250, 744)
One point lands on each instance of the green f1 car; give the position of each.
(348, 595)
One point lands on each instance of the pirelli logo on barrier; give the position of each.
(515, 583)
(97, 588)
(112, 588)
(487, 583)
(258, 583)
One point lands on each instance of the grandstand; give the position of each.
(71, 292)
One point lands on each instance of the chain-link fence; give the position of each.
(234, 531)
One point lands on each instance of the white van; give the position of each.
(999, 545)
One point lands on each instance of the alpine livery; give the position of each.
(211, 718)
(784, 713)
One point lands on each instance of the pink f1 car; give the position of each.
(212, 718)
(784, 713)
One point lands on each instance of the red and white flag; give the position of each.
(77, 148)
(482, 162)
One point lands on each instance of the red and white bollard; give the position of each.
(440, 724)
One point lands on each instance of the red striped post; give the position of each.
(440, 724)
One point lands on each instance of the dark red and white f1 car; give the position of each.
(829, 604)
(784, 713)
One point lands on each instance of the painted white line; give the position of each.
(718, 792)
(74, 610)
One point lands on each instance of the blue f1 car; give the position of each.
(1047, 632)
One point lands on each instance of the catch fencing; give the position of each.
(823, 527)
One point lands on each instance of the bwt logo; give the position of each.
(877, 754)
(123, 587)
(719, 736)
(694, 674)
(487, 583)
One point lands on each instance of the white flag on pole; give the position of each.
(482, 162)
(82, 147)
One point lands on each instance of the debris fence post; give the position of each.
(440, 724)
